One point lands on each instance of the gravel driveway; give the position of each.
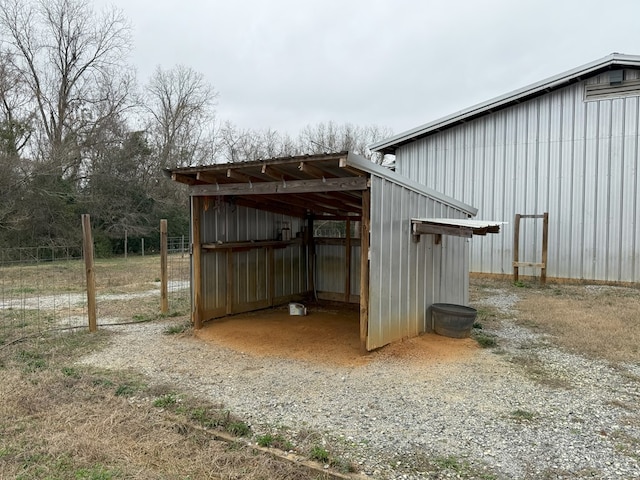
(483, 416)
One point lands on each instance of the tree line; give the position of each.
(79, 133)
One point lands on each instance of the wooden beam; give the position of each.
(344, 165)
(528, 264)
(351, 199)
(196, 262)
(365, 226)
(314, 171)
(239, 176)
(293, 186)
(182, 178)
(424, 228)
(254, 202)
(545, 245)
(210, 177)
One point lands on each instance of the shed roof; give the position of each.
(328, 185)
(610, 62)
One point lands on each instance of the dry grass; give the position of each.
(64, 422)
(598, 321)
(134, 274)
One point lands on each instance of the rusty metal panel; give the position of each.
(557, 153)
(406, 277)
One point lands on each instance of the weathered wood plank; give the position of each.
(423, 228)
(164, 271)
(196, 263)
(87, 250)
(293, 186)
(365, 226)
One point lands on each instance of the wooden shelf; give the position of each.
(250, 245)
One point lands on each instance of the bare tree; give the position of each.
(332, 137)
(181, 107)
(15, 131)
(68, 56)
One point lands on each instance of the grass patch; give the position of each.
(449, 466)
(595, 320)
(485, 340)
(274, 441)
(319, 454)
(522, 415)
(165, 401)
(59, 420)
(177, 329)
(534, 368)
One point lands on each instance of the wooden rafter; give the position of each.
(273, 207)
(314, 171)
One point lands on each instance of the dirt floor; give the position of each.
(329, 333)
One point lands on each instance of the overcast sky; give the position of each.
(284, 64)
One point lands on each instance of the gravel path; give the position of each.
(484, 417)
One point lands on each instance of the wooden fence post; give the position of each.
(87, 247)
(164, 274)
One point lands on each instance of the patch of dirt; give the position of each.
(329, 334)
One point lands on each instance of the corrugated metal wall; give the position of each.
(222, 222)
(407, 277)
(576, 159)
(331, 265)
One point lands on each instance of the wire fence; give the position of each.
(44, 288)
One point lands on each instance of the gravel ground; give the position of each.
(486, 417)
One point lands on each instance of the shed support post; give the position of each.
(164, 272)
(364, 269)
(196, 307)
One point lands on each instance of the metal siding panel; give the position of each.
(375, 267)
(214, 286)
(575, 159)
(403, 273)
(629, 190)
(330, 268)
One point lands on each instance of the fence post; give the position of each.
(142, 242)
(164, 276)
(126, 243)
(87, 248)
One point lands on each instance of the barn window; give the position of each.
(616, 86)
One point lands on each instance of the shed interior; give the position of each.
(269, 232)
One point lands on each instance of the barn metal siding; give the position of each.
(222, 222)
(576, 159)
(406, 277)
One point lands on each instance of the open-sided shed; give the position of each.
(259, 238)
